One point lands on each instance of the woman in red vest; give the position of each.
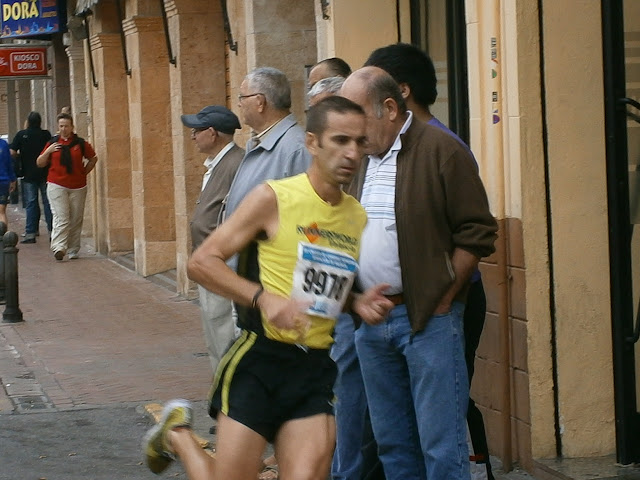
(71, 158)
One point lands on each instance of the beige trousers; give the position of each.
(218, 324)
(67, 207)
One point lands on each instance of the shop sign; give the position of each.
(23, 62)
(29, 18)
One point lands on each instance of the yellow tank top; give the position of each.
(315, 243)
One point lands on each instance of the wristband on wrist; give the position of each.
(254, 300)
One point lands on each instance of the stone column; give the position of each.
(197, 35)
(4, 109)
(78, 88)
(38, 97)
(23, 101)
(151, 149)
(113, 225)
(283, 36)
(79, 110)
(13, 126)
(60, 85)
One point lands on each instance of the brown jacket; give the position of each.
(205, 215)
(440, 205)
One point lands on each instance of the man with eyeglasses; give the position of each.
(212, 131)
(276, 149)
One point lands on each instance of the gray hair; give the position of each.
(273, 84)
(330, 85)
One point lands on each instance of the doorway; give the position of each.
(438, 27)
(621, 47)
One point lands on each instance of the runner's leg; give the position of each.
(304, 447)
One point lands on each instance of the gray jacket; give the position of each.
(280, 154)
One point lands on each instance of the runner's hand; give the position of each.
(285, 313)
(372, 305)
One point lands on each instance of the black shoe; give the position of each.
(59, 255)
(28, 240)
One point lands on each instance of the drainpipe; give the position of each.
(496, 146)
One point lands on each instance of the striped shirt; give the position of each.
(379, 258)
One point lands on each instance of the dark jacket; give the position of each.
(440, 205)
(29, 144)
(205, 215)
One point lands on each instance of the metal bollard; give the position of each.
(12, 312)
(3, 230)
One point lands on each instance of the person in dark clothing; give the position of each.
(25, 147)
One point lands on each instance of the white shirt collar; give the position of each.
(211, 162)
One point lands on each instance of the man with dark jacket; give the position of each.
(414, 71)
(429, 225)
(212, 130)
(25, 148)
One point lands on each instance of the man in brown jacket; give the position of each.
(429, 225)
(212, 130)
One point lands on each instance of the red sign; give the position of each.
(23, 61)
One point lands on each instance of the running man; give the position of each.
(299, 240)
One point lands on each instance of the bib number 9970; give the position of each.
(330, 285)
(322, 278)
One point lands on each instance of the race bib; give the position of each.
(323, 277)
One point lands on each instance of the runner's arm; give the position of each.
(257, 213)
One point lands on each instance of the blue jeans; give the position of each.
(350, 405)
(417, 390)
(33, 206)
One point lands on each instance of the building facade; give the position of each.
(538, 89)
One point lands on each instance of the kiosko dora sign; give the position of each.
(23, 62)
(29, 18)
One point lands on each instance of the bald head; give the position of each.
(379, 95)
(376, 84)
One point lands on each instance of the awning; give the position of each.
(83, 5)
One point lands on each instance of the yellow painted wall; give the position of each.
(355, 28)
(576, 145)
(511, 158)
(506, 134)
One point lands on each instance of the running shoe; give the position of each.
(157, 451)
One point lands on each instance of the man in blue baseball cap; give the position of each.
(212, 130)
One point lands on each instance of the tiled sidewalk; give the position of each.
(96, 333)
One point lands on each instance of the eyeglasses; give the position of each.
(240, 97)
(195, 131)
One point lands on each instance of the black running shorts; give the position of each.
(263, 383)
